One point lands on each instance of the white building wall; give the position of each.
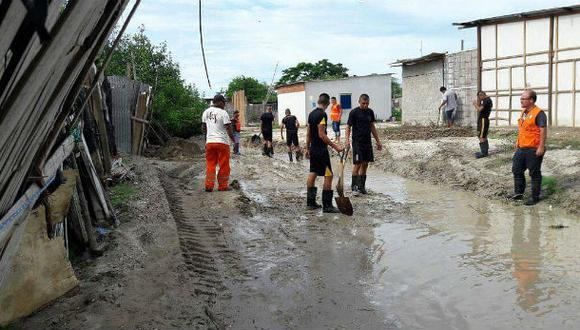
(515, 56)
(378, 87)
(295, 102)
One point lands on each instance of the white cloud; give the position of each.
(249, 37)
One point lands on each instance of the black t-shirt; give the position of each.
(360, 121)
(290, 123)
(315, 118)
(487, 105)
(267, 118)
(541, 119)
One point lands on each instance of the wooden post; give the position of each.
(240, 104)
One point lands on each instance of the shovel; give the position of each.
(343, 203)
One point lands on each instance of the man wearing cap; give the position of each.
(530, 147)
(218, 133)
(317, 143)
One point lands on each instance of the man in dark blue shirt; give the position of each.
(483, 105)
(361, 120)
(266, 127)
(317, 150)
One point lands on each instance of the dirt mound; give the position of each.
(176, 149)
(412, 132)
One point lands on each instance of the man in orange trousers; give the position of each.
(218, 133)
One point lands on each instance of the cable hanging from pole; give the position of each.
(202, 49)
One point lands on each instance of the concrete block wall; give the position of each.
(460, 75)
(421, 96)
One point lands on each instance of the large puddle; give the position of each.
(467, 262)
(450, 260)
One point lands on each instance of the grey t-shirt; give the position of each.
(451, 99)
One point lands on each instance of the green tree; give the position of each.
(176, 105)
(396, 89)
(254, 90)
(322, 69)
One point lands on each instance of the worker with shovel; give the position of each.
(317, 151)
(361, 120)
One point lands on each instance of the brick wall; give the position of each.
(421, 95)
(461, 76)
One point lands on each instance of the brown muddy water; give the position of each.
(414, 256)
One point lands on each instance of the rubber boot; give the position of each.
(519, 188)
(290, 156)
(298, 156)
(271, 151)
(327, 206)
(311, 198)
(362, 180)
(482, 153)
(265, 150)
(485, 149)
(354, 184)
(536, 189)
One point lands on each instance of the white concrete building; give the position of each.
(301, 97)
(539, 50)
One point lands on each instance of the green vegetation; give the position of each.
(255, 91)
(177, 106)
(396, 89)
(397, 113)
(550, 185)
(122, 193)
(320, 70)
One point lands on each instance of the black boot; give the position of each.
(271, 151)
(536, 189)
(311, 198)
(354, 184)
(265, 150)
(483, 152)
(298, 156)
(327, 206)
(485, 149)
(519, 188)
(290, 156)
(362, 180)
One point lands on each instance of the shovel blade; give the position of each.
(344, 205)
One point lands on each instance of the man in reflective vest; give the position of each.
(530, 147)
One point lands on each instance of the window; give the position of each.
(345, 101)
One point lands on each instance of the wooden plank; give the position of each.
(18, 212)
(138, 128)
(99, 114)
(37, 98)
(94, 177)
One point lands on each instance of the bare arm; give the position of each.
(347, 133)
(230, 131)
(204, 130)
(443, 103)
(477, 105)
(376, 136)
(326, 140)
(282, 130)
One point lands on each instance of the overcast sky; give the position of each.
(248, 37)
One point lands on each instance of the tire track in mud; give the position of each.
(208, 259)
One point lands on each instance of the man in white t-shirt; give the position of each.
(218, 134)
(449, 101)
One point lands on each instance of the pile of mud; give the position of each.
(176, 149)
(412, 132)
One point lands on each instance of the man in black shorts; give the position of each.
(291, 124)
(317, 150)
(483, 105)
(266, 127)
(362, 122)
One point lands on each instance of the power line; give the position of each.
(202, 50)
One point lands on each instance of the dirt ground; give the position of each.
(445, 156)
(423, 253)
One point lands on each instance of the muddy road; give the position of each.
(414, 256)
